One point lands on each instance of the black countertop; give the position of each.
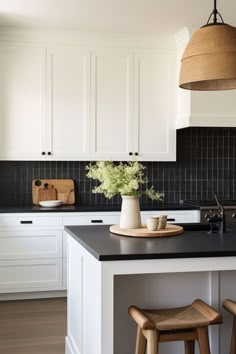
(89, 208)
(106, 246)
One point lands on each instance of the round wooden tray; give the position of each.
(170, 230)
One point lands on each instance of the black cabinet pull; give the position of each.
(136, 153)
(43, 153)
(26, 222)
(96, 221)
(130, 153)
(170, 219)
(49, 153)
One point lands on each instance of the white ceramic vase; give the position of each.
(130, 212)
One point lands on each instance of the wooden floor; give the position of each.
(33, 326)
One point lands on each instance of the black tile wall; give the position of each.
(205, 164)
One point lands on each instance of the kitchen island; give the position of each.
(107, 273)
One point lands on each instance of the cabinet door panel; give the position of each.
(154, 106)
(30, 244)
(69, 105)
(22, 102)
(31, 275)
(112, 92)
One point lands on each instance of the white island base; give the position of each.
(100, 292)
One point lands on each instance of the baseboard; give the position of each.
(33, 295)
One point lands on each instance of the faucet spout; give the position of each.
(222, 215)
(220, 206)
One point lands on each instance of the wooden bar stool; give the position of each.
(186, 324)
(231, 307)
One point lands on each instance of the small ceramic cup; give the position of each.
(152, 223)
(162, 222)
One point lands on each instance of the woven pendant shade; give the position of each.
(209, 60)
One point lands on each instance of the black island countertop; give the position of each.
(106, 246)
(90, 208)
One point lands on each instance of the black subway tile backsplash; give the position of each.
(205, 164)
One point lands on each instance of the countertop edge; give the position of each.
(82, 243)
(98, 208)
(147, 256)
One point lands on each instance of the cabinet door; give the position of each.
(30, 275)
(68, 103)
(22, 102)
(30, 244)
(112, 104)
(154, 102)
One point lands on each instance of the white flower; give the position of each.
(122, 178)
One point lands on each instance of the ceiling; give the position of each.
(146, 17)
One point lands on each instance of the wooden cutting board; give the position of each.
(170, 230)
(47, 193)
(58, 189)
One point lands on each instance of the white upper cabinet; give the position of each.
(133, 105)
(203, 108)
(154, 123)
(75, 103)
(22, 102)
(112, 104)
(68, 108)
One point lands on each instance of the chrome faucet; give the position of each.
(221, 216)
(217, 221)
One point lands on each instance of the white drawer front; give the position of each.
(30, 244)
(92, 219)
(188, 216)
(25, 221)
(30, 275)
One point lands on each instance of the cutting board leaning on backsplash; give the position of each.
(53, 189)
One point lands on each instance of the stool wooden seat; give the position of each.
(188, 323)
(231, 307)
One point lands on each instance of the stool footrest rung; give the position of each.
(172, 336)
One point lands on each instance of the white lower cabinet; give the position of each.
(30, 253)
(33, 247)
(30, 244)
(30, 275)
(105, 218)
(174, 216)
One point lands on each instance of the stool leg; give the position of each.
(140, 342)
(233, 338)
(152, 341)
(189, 346)
(203, 340)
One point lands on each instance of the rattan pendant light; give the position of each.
(209, 60)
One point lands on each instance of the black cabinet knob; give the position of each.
(130, 153)
(43, 153)
(49, 153)
(136, 153)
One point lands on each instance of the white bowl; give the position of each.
(51, 203)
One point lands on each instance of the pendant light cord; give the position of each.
(214, 14)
